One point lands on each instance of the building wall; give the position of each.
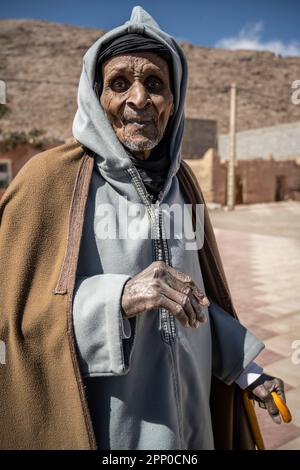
(18, 156)
(211, 175)
(258, 180)
(199, 136)
(281, 141)
(262, 179)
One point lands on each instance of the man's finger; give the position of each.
(184, 283)
(201, 317)
(175, 309)
(183, 300)
(273, 410)
(201, 297)
(279, 389)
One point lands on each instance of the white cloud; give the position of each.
(250, 38)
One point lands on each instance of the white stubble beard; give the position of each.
(140, 146)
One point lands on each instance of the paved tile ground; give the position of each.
(260, 248)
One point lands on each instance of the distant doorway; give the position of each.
(280, 188)
(239, 190)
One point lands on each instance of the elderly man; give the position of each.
(124, 341)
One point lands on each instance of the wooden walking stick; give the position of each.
(258, 439)
(283, 410)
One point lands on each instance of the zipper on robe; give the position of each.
(167, 325)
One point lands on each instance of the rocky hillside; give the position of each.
(41, 64)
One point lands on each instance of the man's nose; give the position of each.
(138, 96)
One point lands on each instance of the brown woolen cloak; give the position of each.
(42, 399)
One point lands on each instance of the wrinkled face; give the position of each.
(137, 99)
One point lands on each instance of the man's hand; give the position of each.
(261, 389)
(161, 286)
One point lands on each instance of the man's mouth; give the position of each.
(139, 122)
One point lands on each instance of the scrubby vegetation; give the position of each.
(35, 138)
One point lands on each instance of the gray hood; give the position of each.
(92, 128)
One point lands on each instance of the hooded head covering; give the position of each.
(91, 126)
(154, 169)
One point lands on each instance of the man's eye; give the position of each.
(154, 84)
(119, 84)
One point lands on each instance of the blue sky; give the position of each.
(254, 24)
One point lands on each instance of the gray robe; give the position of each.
(143, 392)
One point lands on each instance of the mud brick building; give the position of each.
(257, 180)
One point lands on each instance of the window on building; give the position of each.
(5, 173)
